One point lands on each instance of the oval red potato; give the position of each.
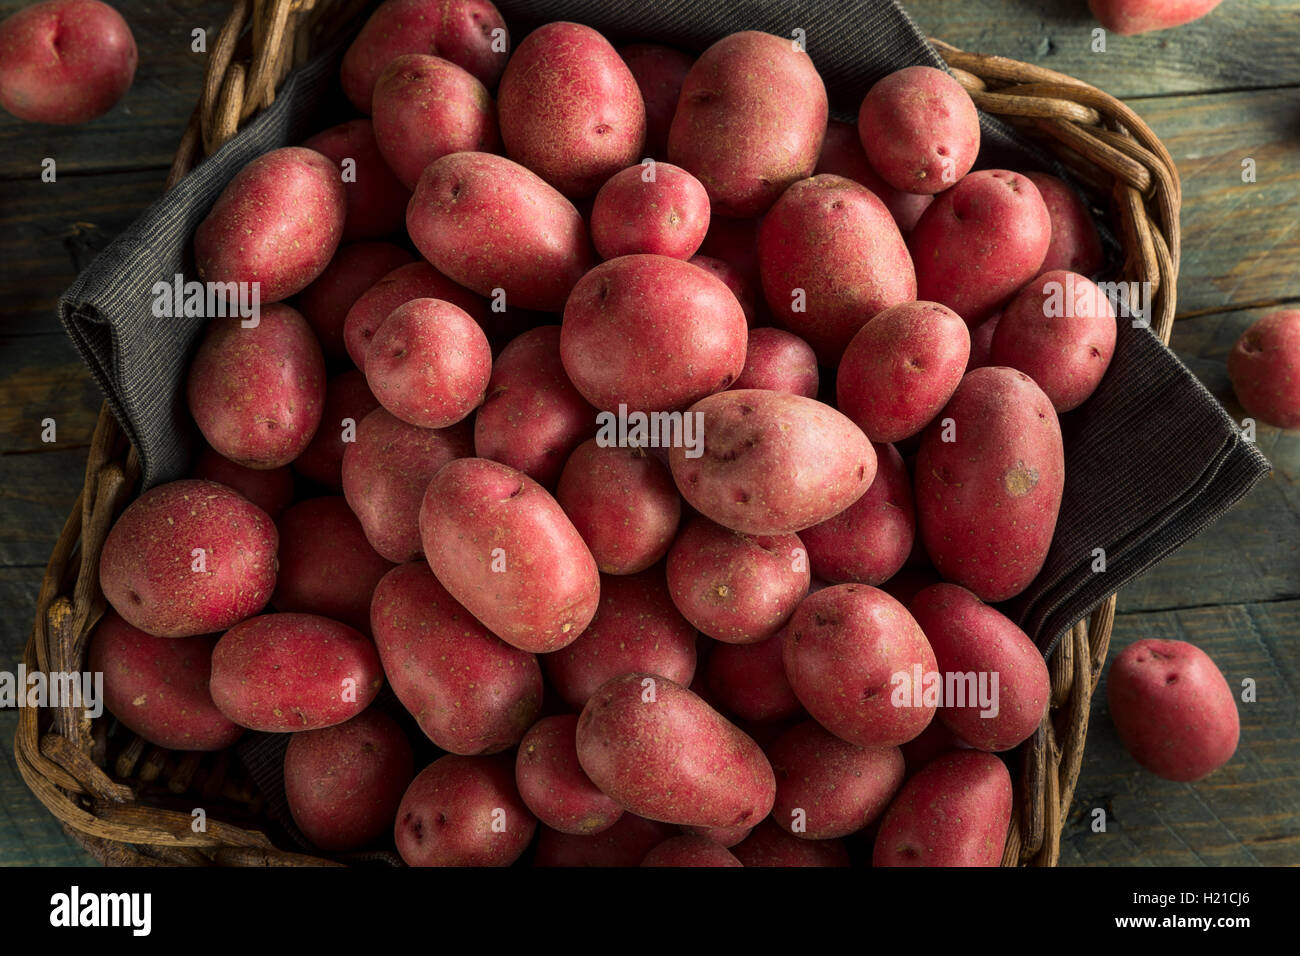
(1264, 367)
(552, 784)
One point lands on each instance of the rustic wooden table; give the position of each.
(1218, 92)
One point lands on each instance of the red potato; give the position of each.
(429, 363)
(979, 242)
(901, 368)
(348, 400)
(735, 587)
(158, 686)
(750, 121)
(919, 129)
(832, 259)
(353, 270)
(416, 280)
(376, 198)
(954, 812)
(722, 836)
(269, 489)
(504, 548)
(1175, 713)
(385, 473)
(652, 207)
(552, 784)
(188, 557)
(570, 108)
(749, 682)
(277, 224)
(733, 280)
(344, 783)
(1060, 331)
(624, 504)
(842, 155)
(1264, 367)
(653, 333)
(1075, 244)
(532, 417)
(425, 107)
(769, 845)
(280, 673)
(844, 648)
(772, 463)
(469, 691)
(469, 33)
(869, 541)
(1129, 17)
(65, 61)
(996, 686)
(981, 342)
(828, 788)
(624, 844)
(257, 392)
(987, 500)
(464, 811)
(690, 850)
(659, 72)
(636, 628)
(779, 361)
(646, 741)
(535, 252)
(327, 566)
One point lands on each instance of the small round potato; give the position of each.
(652, 207)
(552, 784)
(1264, 367)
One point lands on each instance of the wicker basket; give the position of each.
(130, 802)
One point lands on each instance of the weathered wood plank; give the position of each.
(36, 493)
(42, 377)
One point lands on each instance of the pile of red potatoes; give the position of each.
(737, 649)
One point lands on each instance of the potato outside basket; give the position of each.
(130, 803)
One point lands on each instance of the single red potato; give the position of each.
(1076, 244)
(652, 207)
(376, 199)
(1130, 17)
(552, 784)
(1264, 367)
(690, 850)
(779, 361)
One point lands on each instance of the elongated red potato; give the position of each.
(552, 784)
(1076, 244)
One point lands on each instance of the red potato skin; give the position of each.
(1264, 367)
(146, 565)
(425, 107)
(635, 628)
(429, 363)
(736, 588)
(277, 223)
(1130, 17)
(1060, 331)
(842, 648)
(489, 223)
(327, 566)
(280, 673)
(385, 473)
(842, 155)
(968, 636)
(1175, 713)
(457, 30)
(348, 400)
(570, 108)
(653, 333)
(271, 490)
(158, 686)
(344, 783)
(666, 216)
(869, 541)
(901, 368)
(722, 836)
(835, 240)
(979, 242)
(773, 463)
(919, 129)
(954, 812)
(1075, 244)
(257, 393)
(779, 361)
(453, 812)
(659, 72)
(981, 342)
(749, 122)
(769, 845)
(470, 692)
(376, 198)
(552, 784)
(625, 844)
(934, 741)
(690, 850)
(733, 280)
(987, 502)
(624, 504)
(532, 417)
(675, 759)
(549, 591)
(65, 61)
(827, 788)
(353, 270)
(748, 680)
